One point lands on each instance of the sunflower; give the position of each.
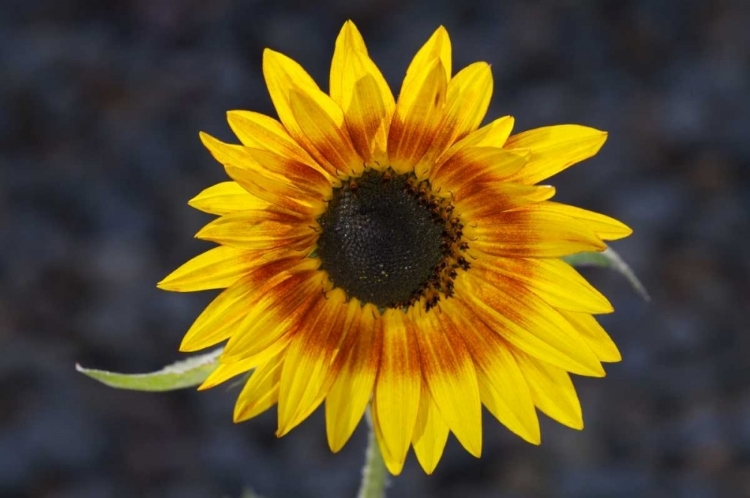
(392, 253)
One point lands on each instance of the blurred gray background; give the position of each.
(100, 107)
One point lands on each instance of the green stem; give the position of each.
(374, 473)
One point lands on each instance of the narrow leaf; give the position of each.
(609, 259)
(185, 373)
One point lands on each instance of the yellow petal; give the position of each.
(505, 196)
(350, 317)
(261, 391)
(217, 321)
(469, 95)
(281, 307)
(502, 387)
(531, 233)
(284, 197)
(259, 131)
(216, 268)
(430, 433)
(368, 118)
(552, 390)
(417, 116)
(308, 361)
(438, 46)
(284, 77)
(461, 174)
(596, 337)
(493, 134)
(467, 99)
(353, 385)
(394, 464)
(220, 318)
(449, 373)
(224, 372)
(604, 227)
(225, 198)
(229, 154)
(555, 148)
(268, 170)
(273, 187)
(529, 324)
(297, 174)
(348, 42)
(555, 281)
(398, 386)
(360, 89)
(327, 134)
(259, 230)
(271, 348)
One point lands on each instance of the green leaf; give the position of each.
(185, 373)
(609, 259)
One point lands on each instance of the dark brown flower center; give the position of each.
(387, 239)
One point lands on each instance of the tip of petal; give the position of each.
(597, 244)
(172, 283)
(596, 370)
(164, 284)
(286, 422)
(335, 445)
(351, 38)
(618, 230)
(187, 347)
(205, 138)
(194, 340)
(209, 383)
(395, 466)
(216, 147)
(442, 37)
(615, 357)
(233, 116)
(189, 344)
(593, 133)
(576, 424)
(601, 137)
(271, 56)
(474, 449)
(349, 27)
(283, 431)
(536, 440)
(527, 427)
(428, 462)
(202, 232)
(606, 307)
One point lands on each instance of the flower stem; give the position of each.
(374, 474)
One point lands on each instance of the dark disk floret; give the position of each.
(387, 239)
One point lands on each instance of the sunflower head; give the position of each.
(392, 253)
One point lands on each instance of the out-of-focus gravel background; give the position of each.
(100, 106)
